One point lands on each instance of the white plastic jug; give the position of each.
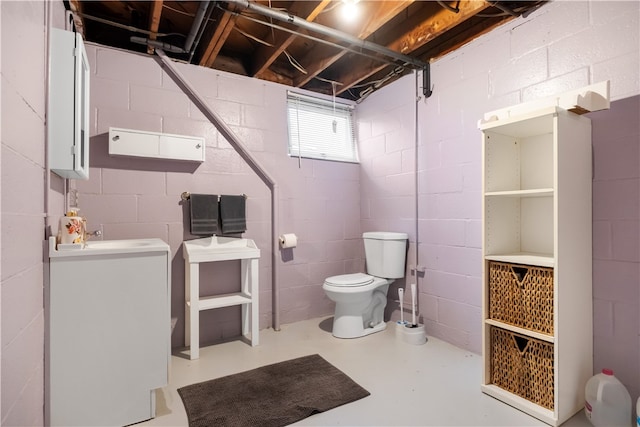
(607, 401)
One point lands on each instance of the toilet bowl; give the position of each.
(361, 298)
(360, 301)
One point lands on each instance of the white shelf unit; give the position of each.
(537, 174)
(213, 249)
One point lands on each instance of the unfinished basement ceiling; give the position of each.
(240, 40)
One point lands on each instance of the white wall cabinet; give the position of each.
(68, 106)
(127, 142)
(536, 243)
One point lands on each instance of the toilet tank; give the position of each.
(385, 253)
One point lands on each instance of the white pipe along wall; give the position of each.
(231, 137)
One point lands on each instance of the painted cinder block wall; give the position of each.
(562, 46)
(130, 197)
(616, 240)
(609, 51)
(25, 210)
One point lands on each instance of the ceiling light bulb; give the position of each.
(349, 10)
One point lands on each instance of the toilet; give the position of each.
(361, 298)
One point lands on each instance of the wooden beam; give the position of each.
(431, 28)
(225, 24)
(76, 12)
(454, 39)
(416, 35)
(266, 55)
(272, 76)
(382, 13)
(463, 36)
(154, 22)
(365, 70)
(321, 58)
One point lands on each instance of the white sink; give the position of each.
(217, 248)
(101, 247)
(119, 244)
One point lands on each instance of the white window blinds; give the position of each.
(320, 129)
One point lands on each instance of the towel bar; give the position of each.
(186, 195)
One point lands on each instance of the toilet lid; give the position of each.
(356, 279)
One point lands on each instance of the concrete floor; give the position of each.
(435, 384)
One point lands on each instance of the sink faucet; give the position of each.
(95, 233)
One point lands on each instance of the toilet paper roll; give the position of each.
(289, 240)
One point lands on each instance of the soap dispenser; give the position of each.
(72, 228)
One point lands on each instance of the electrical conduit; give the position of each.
(195, 28)
(228, 134)
(417, 195)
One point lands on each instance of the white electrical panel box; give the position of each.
(137, 143)
(68, 109)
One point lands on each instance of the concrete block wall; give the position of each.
(386, 144)
(616, 240)
(564, 45)
(25, 209)
(560, 47)
(130, 197)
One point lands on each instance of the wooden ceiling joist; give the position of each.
(441, 22)
(417, 30)
(320, 59)
(414, 38)
(266, 55)
(76, 9)
(154, 22)
(225, 24)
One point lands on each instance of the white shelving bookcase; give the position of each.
(536, 180)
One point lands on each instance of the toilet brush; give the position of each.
(401, 298)
(413, 306)
(411, 333)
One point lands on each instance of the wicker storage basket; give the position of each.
(521, 295)
(523, 366)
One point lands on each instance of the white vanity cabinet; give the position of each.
(108, 332)
(536, 245)
(68, 106)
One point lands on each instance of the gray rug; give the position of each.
(273, 395)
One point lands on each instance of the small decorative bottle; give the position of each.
(72, 228)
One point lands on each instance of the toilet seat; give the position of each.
(357, 283)
(349, 280)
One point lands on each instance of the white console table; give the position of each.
(212, 249)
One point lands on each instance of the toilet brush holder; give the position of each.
(411, 334)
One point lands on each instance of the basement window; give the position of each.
(320, 129)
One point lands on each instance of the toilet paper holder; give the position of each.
(288, 241)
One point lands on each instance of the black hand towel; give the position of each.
(233, 214)
(204, 214)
